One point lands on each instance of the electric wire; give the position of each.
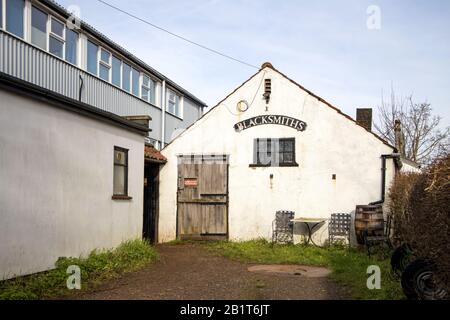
(178, 36)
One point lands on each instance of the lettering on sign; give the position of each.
(190, 182)
(271, 119)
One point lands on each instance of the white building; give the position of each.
(56, 167)
(71, 178)
(320, 161)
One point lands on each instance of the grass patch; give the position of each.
(348, 265)
(97, 267)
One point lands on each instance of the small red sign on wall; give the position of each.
(190, 182)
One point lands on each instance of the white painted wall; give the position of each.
(332, 144)
(56, 183)
(410, 167)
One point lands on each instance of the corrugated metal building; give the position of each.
(40, 42)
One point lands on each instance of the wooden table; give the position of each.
(311, 224)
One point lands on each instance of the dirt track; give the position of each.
(189, 272)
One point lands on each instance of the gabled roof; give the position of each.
(90, 29)
(270, 66)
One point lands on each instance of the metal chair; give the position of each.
(339, 226)
(283, 227)
(383, 238)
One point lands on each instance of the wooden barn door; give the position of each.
(202, 197)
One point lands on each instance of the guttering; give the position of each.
(383, 176)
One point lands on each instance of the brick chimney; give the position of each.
(364, 118)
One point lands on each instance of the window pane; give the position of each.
(177, 109)
(104, 72)
(119, 157)
(145, 80)
(1, 16)
(135, 80)
(177, 106)
(263, 145)
(119, 180)
(286, 145)
(56, 47)
(14, 16)
(39, 28)
(152, 91)
(171, 107)
(145, 94)
(104, 56)
(116, 71)
(287, 158)
(92, 58)
(71, 46)
(126, 77)
(174, 103)
(57, 28)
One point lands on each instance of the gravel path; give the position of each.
(190, 272)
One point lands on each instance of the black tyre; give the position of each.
(407, 281)
(400, 258)
(419, 281)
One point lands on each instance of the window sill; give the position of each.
(121, 197)
(174, 115)
(271, 166)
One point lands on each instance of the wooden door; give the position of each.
(202, 197)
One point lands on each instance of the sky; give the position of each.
(326, 45)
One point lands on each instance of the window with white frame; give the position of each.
(92, 51)
(14, 19)
(39, 28)
(148, 89)
(56, 38)
(46, 32)
(173, 103)
(126, 77)
(71, 46)
(49, 33)
(116, 73)
(135, 74)
(104, 64)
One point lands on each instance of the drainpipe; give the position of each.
(383, 176)
(163, 113)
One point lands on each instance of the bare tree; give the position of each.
(422, 138)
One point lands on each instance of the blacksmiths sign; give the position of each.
(271, 119)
